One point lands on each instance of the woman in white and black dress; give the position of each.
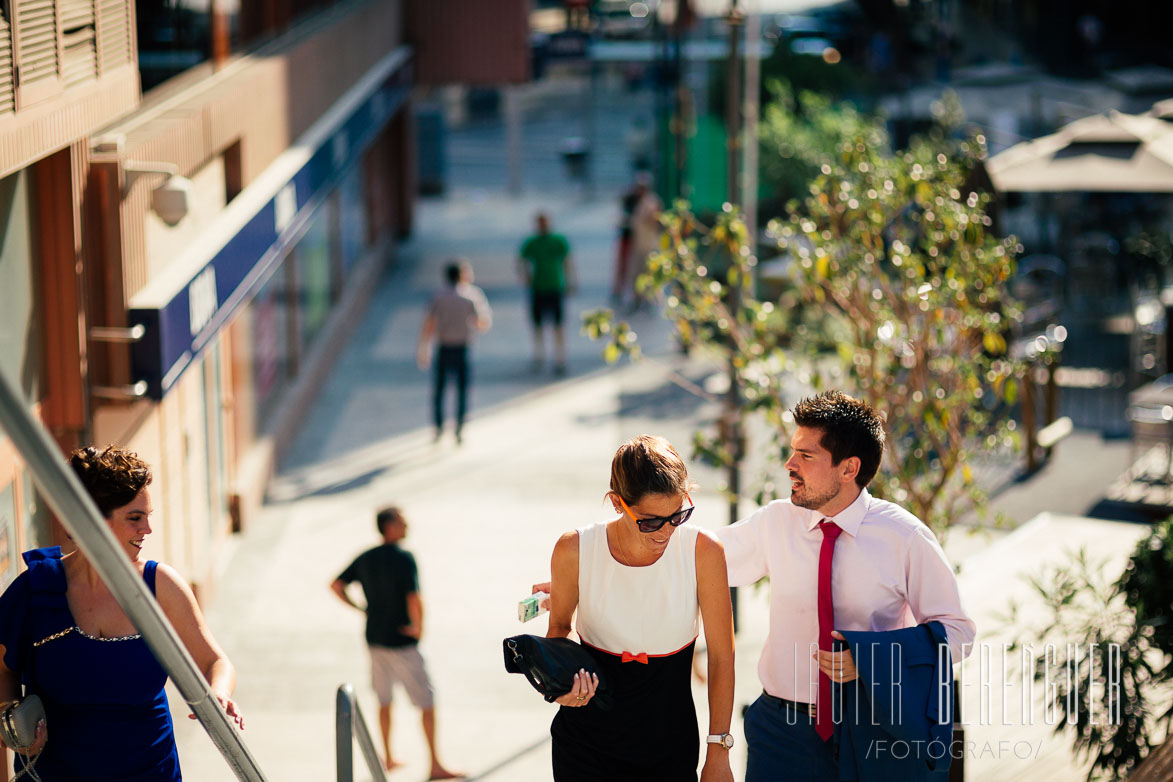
(638, 582)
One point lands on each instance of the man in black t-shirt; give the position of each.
(395, 617)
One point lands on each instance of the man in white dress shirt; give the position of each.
(888, 572)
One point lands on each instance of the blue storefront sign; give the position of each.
(188, 307)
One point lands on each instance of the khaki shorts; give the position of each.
(403, 665)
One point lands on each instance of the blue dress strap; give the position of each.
(149, 574)
(39, 554)
(46, 574)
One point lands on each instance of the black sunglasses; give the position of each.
(654, 523)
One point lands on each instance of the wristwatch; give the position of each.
(724, 739)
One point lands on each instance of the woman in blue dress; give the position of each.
(65, 638)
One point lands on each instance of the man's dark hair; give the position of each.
(452, 272)
(850, 428)
(387, 516)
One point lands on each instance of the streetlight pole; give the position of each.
(735, 19)
(753, 82)
(734, 437)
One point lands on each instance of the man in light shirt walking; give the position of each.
(454, 316)
(838, 559)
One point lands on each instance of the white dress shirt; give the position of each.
(888, 573)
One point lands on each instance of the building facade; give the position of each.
(180, 266)
(244, 218)
(64, 72)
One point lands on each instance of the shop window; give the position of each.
(352, 219)
(9, 553)
(175, 35)
(269, 313)
(20, 331)
(313, 278)
(379, 198)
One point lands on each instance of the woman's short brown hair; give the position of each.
(112, 476)
(645, 465)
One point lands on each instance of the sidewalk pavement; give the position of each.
(376, 391)
(483, 521)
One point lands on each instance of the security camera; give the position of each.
(172, 199)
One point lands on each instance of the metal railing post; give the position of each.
(344, 733)
(81, 519)
(351, 726)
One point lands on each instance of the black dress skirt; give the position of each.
(648, 735)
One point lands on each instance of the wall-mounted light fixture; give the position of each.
(170, 200)
(120, 335)
(129, 393)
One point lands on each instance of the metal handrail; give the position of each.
(350, 725)
(81, 519)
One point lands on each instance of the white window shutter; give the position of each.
(7, 85)
(37, 51)
(115, 43)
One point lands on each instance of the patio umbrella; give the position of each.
(1107, 153)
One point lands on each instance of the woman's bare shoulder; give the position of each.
(709, 549)
(170, 584)
(567, 545)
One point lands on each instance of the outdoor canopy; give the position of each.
(1106, 153)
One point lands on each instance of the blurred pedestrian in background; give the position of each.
(639, 140)
(395, 623)
(547, 270)
(637, 583)
(645, 239)
(620, 282)
(454, 316)
(64, 637)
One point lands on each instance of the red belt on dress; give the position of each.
(642, 657)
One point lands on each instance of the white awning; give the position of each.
(1116, 153)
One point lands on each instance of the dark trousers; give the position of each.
(450, 360)
(783, 744)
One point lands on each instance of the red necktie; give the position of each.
(831, 531)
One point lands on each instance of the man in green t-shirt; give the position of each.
(395, 617)
(546, 267)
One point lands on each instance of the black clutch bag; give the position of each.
(549, 664)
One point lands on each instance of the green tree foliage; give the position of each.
(895, 292)
(794, 73)
(798, 133)
(1152, 253)
(1113, 644)
(895, 254)
(702, 274)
